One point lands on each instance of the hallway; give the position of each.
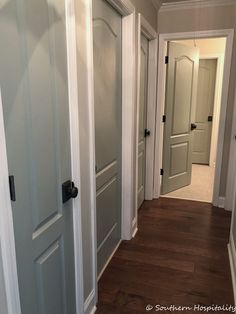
(179, 256)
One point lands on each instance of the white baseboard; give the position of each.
(89, 304)
(221, 202)
(232, 260)
(134, 232)
(93, 310)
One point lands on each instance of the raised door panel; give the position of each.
(183, 75)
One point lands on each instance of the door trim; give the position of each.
(217, 101)
(75, 149)
(163, 38)
(148, 31)
(230, 186)
(7, 240)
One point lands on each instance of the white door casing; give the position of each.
(228, 34)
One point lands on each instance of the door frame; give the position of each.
(231, 181)
(149, 32)
(163, 39)
(7, 241)
(217, 101)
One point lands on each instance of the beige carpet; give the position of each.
(201, 188)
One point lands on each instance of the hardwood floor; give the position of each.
(179, 256)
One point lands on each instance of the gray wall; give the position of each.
(219, 17)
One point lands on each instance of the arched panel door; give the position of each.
(107, 45)
(204, 111)
(142, 130)
(34, 86)
(181, 92)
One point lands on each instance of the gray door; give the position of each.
(181, 91)
(108, 126)
(142, 119)
(204, 111)
(33, 79)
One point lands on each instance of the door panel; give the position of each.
(181, 89)
(142, 119)
(33, 74)
(204, 109)
(108, 126)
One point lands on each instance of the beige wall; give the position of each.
(147, 9)
(211, 18)
(207, 46)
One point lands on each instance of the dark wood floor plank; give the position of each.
(179, 256)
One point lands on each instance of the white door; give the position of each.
(107, 45)
(204, 111)
(181, 91)
(143, 131)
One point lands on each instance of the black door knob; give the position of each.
(74, 190)
(193, 126)
(147, 132)
(69, 190)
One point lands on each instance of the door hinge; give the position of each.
(210, 119)
(164, 118)
(12, 188)
(161, 172)
(166, 59)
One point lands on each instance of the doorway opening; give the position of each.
(192, 115)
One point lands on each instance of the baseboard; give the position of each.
(134, 232)
(221, 202)
(89, 304)
(93, 310)
(232, 260)
(108, 261)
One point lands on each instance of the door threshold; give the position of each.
(187, 199)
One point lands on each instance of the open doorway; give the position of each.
(193, 90)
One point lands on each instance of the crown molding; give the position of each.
(194, 4)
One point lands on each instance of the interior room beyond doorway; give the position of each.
(206, 121)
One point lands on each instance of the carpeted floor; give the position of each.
(201, 188)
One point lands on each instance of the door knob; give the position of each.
(193, 126)
(147, 132)
(69, 190)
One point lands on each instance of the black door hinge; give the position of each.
(12, 188)
(166, 59)
(164, 118)
(161, 172)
